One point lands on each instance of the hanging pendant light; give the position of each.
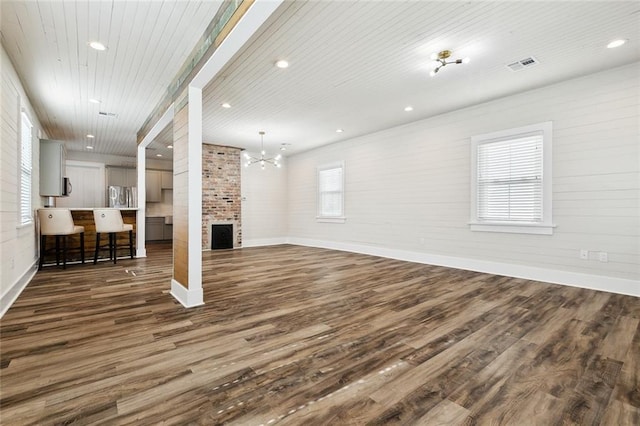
(263, 159)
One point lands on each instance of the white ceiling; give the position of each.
(354, 65)
(148, 42)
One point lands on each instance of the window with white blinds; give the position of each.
(511, 180)
(331, 192)
(25, 170)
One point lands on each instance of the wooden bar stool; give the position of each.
(110, 221)
(59, 223)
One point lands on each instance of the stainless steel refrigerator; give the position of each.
(122, 196)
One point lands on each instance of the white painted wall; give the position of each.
(264, 205)
(408, 188)
(18, 245)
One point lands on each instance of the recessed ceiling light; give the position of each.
(339, 130)
(90, 136)
(95, 101)
(408, 108)
(616, 43)
(226, 105)
(97, 45)
(89, 147)
(282, 63)
(170, 146)
(158, 155)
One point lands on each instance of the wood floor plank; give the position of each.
(298, 335)
(618, 340)
(627, 389)
(445, 413)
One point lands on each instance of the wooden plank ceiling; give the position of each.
(147, 43)
(354, 65)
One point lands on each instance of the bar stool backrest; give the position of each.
(54, 221)
(108, 220)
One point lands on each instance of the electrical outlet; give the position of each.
(584, 254)
(603, 256)
(13, 263)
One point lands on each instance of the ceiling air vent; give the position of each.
(523, 63)
(108, 114)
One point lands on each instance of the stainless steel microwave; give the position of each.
(66, 187)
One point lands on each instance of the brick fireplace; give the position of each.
(221, 204)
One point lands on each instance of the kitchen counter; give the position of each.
(83, 216)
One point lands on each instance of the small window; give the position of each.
(331, 193)
(511, 180)
(25, 170)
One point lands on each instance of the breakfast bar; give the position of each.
(84, 217)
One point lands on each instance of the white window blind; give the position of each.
(330, 191)
(509, 181)
(25, 170)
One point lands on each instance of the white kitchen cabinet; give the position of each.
(131, 177)
(167, 232)
(167, 180)
(154, 186)
(122, 176)
(154, 229)
(52, 168)
(116, 176)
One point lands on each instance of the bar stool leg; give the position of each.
(115, 247)
(82, 247)
(111, 247)
(57, 250)
(64, 252)
(43, 242)
(131, 243)
(95, 255)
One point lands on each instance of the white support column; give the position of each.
(164, 121)
(249, 23)
(141, 249)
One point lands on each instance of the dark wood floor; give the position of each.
(294, 335)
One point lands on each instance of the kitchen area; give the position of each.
(122, 192)
(159, 206)
(82, 183)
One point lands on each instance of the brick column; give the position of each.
(221, 203)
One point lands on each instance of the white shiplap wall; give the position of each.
(18, 245)
(408, 196)
(264, 205)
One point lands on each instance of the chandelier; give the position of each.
(263, 159)
(441, 59)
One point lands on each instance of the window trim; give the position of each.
(545, 227)
(324, 218)
(22, 222)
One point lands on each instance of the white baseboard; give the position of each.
(260, 242)
(573, 279)
(10, 296)
(188, 297)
